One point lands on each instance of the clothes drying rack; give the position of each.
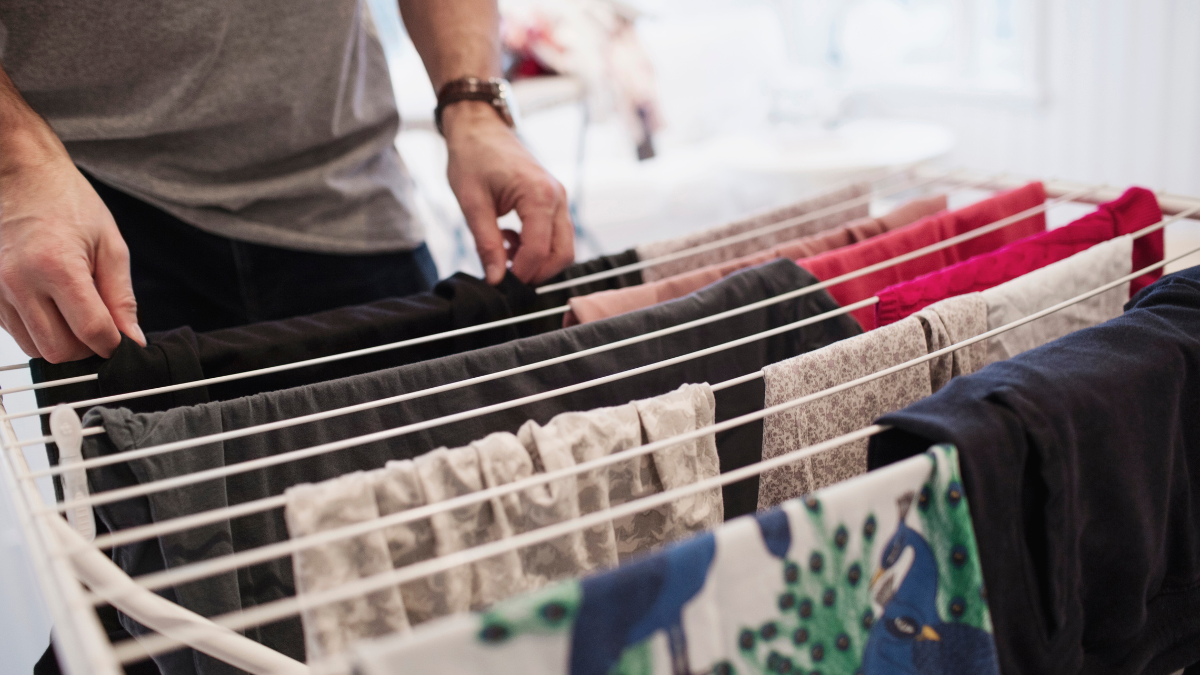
(75, 576)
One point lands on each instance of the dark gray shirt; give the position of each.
(270, 121)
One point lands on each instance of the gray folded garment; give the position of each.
(273, 580)
(499, 459)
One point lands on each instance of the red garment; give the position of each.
(920, 234)
(1132, 211)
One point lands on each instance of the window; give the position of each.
(985, 46)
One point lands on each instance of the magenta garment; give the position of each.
(1132, 211)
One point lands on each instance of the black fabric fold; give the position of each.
(1082, 462)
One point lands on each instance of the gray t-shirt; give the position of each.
(270, 121)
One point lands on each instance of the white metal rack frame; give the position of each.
(74, 575)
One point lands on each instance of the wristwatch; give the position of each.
(495, 91)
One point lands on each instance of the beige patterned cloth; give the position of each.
(688, 408)
(949, 322)
(578, 437)
(398, 487)
(754, 244)
(330, 628)
(1052, 284)
(839, 413)
(499, 459)
(937, 326)
(446, 474)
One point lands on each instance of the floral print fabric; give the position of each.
(879, 574)
(839, 413)
(935, 327)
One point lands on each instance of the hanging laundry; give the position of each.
(1137, 208)
(758, 243)
(920, 234)
(1080, 460)
(329, 629)
(182, 355)
(127, 431)
(876, 575)
(601, 305)
(1063, 280)
(600, 264)
(576, 437)
(933, 328)
(498, 459)
(949, 322)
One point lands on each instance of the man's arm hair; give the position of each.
(455, 38)
(24, 136)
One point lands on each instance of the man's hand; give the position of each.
(65, 290)
(492, 173)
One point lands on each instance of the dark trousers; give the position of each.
(184, 276)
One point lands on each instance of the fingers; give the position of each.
(481, 219)
(54, 298)
(543, 243)
(562, 246)
(31, 318)
(12, 323)
(51, 335)
(116, 287)
(87, 317)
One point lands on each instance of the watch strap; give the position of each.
(490, 91)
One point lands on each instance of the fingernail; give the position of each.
(138, 335)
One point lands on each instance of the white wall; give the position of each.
(1121, 101)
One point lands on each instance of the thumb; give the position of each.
(481, 219)
(115, 286)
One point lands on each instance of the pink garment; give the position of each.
(601, 305)
(1132, 211)
(922, 233)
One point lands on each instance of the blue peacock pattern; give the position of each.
(851, 598)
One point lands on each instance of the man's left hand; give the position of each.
(491, 174)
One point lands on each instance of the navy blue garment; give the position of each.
(1082, 462)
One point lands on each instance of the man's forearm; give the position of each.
(455, 38)
(24, 136)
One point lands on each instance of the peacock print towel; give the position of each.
(878, 574)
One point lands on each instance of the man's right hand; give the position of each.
(65, 290)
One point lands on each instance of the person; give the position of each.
(219, 162)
